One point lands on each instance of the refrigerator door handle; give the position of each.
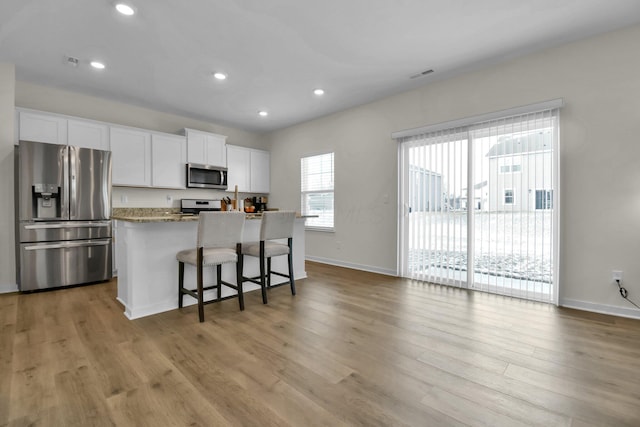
(67, 225)
(73, 169)
(64, 245)
(63, 163)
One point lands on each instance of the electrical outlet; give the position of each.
(616, 275)
(123, 198)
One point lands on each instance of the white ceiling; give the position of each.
(277, 51)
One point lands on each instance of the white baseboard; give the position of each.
(369, 268)
(8, 288)
(612, 310)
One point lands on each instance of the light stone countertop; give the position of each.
(163, 215)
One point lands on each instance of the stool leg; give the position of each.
(262, 276)
(219, 280)
(268, 272)
(180, 283)
(291, 280)
(239, 277)
(200, 290)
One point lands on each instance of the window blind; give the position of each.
(317, 180)
(480, 205)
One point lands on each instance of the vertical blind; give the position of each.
(435, 171)
(480, 205)
(317, 190)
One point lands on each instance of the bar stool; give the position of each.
(219, 242)
(274, 225)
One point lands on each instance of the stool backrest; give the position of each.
(277, 225)
(220, 229)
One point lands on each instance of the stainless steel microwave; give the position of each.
(206, 176)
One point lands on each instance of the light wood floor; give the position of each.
(352, 348)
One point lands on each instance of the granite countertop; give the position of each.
(163, 215)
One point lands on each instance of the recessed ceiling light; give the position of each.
(220, 76)
(97, 65)
(125, 9)
(318, 92)
(263, 113)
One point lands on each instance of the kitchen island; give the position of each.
(146, 246)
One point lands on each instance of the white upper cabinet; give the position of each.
(249, 169)
(238, 169)
(39, 127)
(206, 148)
(260, 170)
(131, 157)
(168, 161)
(57, 129)
(88, 134)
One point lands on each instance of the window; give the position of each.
(508, 197)
(544, 199)
(510, 168)
(317, 190)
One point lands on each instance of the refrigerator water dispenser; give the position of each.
(46, 201)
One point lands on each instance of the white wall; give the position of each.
(7, 224)
(599, 79)
(54, 100)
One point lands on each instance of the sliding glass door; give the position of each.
(479, 206)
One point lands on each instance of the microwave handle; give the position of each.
(222, 178)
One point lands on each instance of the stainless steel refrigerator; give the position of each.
(63, 205)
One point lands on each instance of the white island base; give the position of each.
(148, 269)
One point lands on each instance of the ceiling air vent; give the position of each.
(423, 73)
(71, 61)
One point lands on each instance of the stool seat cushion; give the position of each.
(211, 256)
(271, 249)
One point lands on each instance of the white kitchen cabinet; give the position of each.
(88, 134)
(57, 129)
(40, 127)
(131, 157)
(238, 168)
(206, 148)
(248, 168)
(260, 170)
(168, 161)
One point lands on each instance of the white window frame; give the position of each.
(321, 190)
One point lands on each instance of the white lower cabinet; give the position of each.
(168, 161)
(131, 157)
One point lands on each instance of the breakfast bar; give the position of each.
(146, 245)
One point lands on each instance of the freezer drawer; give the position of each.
(64, 230)
(54, 264)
